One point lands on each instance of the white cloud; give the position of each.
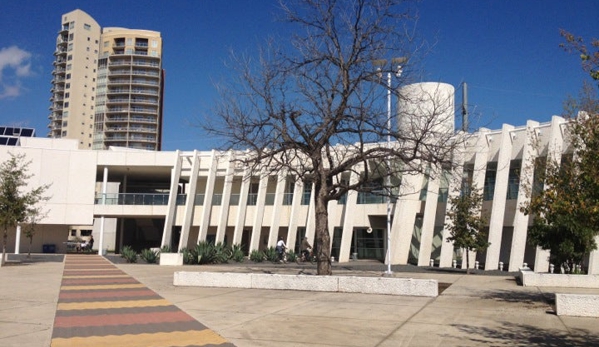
(14, 65)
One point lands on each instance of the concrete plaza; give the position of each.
(474, 310)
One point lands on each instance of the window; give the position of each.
(67, 86)
(70, 48)
(64, 133)
(69, 66)
(68, 76)
(87, 49)
(490, 176)
(65, 123)
(88, 39)
(73, 232)
(129, 41)
(154, 43)
(71, 25)
(87, 27)
(70, 57)
(66, 95)
(66, 104)
(71, 37)
(65, 114)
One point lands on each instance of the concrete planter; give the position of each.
(535, 279)
(172, 259)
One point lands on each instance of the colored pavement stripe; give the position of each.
(100, 305)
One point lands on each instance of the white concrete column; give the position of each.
(294, 216)
(171, 208)
(594, 260)
(348, 219)
(529, 153)
(242, 207)
(555, 143)
(453, 191)
(102, 223)
(428, 221)
(18, 239)
(275, 221)
(499, 196)
(259, 212)
(207, 207)
(188, 210)
(226, 200)
(404, 216)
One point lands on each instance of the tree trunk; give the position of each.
(5, 236)
(467, 261)
(323, 238)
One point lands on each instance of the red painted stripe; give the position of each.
(105, 280)
(121, 319)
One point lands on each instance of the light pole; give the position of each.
(394, 62)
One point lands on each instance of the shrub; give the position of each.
(271, 254)
(189, 257)
(237, 253)
(129, 254)
(221, 253)
(165, 249)
(256, 256)
(150, 256)
(291, 256)
(205, 252)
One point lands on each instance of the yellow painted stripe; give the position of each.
(103, 286)
(96, 276)
(95, 305)
(175, 339)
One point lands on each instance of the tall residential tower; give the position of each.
(108, 85)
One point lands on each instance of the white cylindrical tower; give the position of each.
(426, 110)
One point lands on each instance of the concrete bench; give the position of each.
(346, 284)
(581, 305)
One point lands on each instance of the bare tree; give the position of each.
(317, 109)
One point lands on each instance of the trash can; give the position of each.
(49, 248)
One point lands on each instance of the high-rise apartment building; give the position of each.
(107, 85)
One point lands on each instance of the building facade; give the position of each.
(107, 87)
(150, 199)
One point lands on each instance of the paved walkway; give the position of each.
(100, 305)
(475, 310)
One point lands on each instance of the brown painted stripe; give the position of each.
(117, 311)
(94, 305)
(132, 329)
(74, 295)
(103, 287)
(122, 319)
(173, 339)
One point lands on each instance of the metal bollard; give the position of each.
(525, 265)
(500, 266)
(454, 263)
(432, 262)
(551, 268)
(476, 265)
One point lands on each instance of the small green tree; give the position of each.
(34, 215)
(566, 211)
(16, 201)
(466, 223)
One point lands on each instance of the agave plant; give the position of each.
(129, 254)
(237, 253)
(205, 253)
(257, 256)
(271, 254)
(150, 256)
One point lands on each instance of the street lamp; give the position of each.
(396, 63)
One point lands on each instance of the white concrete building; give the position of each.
(148, 199)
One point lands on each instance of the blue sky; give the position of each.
(507, 51)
